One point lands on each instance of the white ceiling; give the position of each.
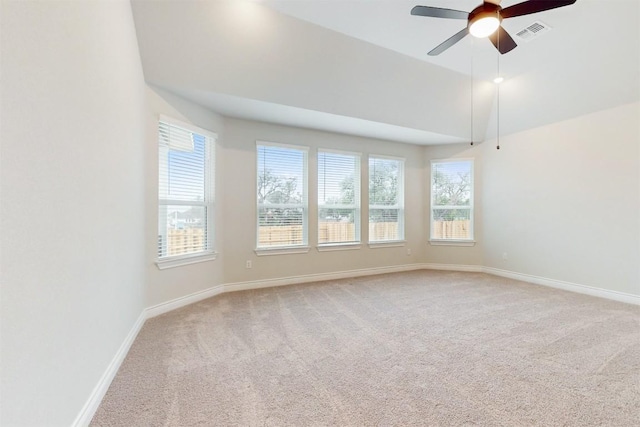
(361, 67)
(389, 24)
(586, 29)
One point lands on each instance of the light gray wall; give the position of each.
(165, 285)
(563, 201)
(238, 188)
(72, 208)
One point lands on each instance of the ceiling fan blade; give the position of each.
(436, 12)
(449, 42)
(502, 41)
(533, 6)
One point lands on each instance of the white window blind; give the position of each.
(282, 196)
(338, 197)
(452, 200)
(186, 202)
(386, 199)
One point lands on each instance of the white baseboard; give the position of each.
(454, 267)
(268, 283)
(567, 286)
(537, 280)
(96, 396)
(174, 304)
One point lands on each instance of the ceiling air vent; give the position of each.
(533, 31)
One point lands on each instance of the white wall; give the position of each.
(72, 207)
(165, 285)
(563, 201)
(238, 188)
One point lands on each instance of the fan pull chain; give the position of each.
(473, 42)
(498, 99)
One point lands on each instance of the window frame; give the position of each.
(284, 249)
(170, 261)
(357, 205)
(399, 205)
(453, 242)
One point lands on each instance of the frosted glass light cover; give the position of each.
(484, 26)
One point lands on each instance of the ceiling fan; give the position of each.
(485, 21)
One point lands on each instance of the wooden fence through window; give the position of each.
(184, 241)
(458, 229)
(192, 239)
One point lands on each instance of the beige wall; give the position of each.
(72, 210)
(538, 200)
(168, 284)
(238, 188)
(563, 201)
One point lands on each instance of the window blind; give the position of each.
(386, 199)
(282, 195)
(338, 197)
(452, 200)
(185, 190)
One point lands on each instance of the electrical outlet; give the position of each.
(408, 252)
(249, 264)
(505, 256)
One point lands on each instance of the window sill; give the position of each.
(179, 261)
(387, 244)
(286, 250)
(338, 247)
(452, 242)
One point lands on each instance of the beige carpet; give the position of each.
(417, 348)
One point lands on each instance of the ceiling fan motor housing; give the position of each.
(486, 19)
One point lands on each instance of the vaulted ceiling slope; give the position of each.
(275, 62)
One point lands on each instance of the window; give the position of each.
(338, 198)
(452, 200)
(282, 196)
(185, 217)
(386, 199)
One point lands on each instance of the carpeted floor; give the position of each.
(417, 348)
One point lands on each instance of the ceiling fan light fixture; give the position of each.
(484, 20)
(484, 24)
